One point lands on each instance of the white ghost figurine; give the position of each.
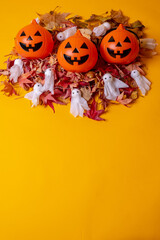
(67, 33)
(111, 86)
(49, 81)
(102, 29)
(148, 43)
(16, 70)
(35, 94)
(78, 103)
(142, 82)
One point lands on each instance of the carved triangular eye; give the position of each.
(37, 34)
(23, 34)
(111, 39)
(68, 45)
(84, 46)
(127, 39)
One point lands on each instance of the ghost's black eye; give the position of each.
(68, 45)
(37, 34)
(23, 34)
(127, 39)
(84, 46)
(111, 39)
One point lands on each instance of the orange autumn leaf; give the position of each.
(9, 89)
(122, 100)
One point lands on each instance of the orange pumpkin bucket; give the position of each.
(34, 41)
(77, 53)
(119, 46)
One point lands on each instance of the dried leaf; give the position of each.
(86, 32)
(78, 21)
(122, 74)
(135, 66)
(52, 60)
(9, 89)
(134, 95)
(53, 20)
(123, 100)
(94, 113)
(23, 80)
(137, 24)
(90, 74)
(138, 32)
(86, 93)
(96, 20)
(48, 97)
(118, 17)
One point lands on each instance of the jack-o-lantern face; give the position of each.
(34, 41)
(77, 54)
(119, 46)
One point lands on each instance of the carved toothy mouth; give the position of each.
(36, 47)
(122, 55)
(81, 61)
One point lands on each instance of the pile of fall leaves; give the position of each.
(90, 83)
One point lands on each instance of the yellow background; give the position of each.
(63, 178)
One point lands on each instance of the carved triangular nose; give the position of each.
(75, 50)
(118, 44)
(29, 38)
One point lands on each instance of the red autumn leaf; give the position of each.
(93, 113)
(104, 101)
(125, 101)
(10, 63)
(48, 99)
(50, 104)
(58, 92)
(83, 84)
(23, 79)
(67, 94)
(111, 69)
(61, 74)
(9, 89)
(27, 65)
(62, 94)
(128, 91)
(64, 83)
(45, 97)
